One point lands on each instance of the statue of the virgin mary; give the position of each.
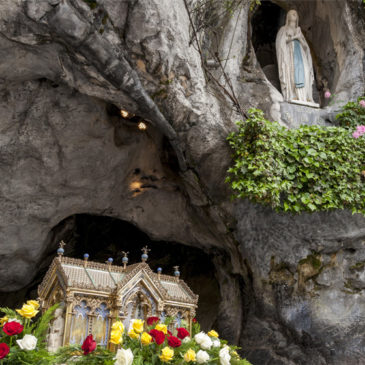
(294, 61)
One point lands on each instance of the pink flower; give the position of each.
(362, 103)
(360, 129)
(356, 134)
(327, 94)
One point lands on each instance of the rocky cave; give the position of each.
(288, 289)
(103, 237)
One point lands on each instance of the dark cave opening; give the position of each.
(103, 237)
(265, 23)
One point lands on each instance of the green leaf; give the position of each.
(311, 168)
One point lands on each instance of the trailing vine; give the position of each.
(204, 17)
(312, 168)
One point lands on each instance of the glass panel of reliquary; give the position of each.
(79, 323)
(100, 326)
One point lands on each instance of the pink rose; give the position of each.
(356, 134)
(327, 94)
(362, 103)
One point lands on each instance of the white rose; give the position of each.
(28, 342)
(203, 340)
(14, 320)
(202, 357)
(186, 339)
(124, 357)
(216, 342)
(224, 356)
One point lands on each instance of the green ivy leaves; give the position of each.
(352, 115)
(311, 168)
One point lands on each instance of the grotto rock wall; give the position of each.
(292, 288)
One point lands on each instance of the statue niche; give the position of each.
(294, 62)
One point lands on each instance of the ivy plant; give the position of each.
(312, 168)
(353, 114)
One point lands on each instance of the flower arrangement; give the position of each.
(152, 342)
(22, 339)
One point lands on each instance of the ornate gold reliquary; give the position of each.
(93, 295)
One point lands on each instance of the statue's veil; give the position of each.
(290, 12)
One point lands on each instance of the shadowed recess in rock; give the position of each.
(103, 237)
(266, 23)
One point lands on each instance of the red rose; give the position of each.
(4, 350)
(174, 341)
(182, 333)
(158, 336)
(194, 320)
(89, 345)
(152, 320)
(13, 328)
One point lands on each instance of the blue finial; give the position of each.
(177, 272)
(159, 269)
(125, 259)
(110, 259)
(145, 251)
(86, 256)
(60, 250)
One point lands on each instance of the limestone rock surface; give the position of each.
(292, 287)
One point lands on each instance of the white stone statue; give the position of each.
(55, 336)
(294, 62)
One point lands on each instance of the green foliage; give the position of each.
(74, 355)
(312, 260)
(311, 168)
(352, 115)
(34, 357)
(255, 3)
(10, 313)
(196, 329)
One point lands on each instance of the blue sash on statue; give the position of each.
(298, 66)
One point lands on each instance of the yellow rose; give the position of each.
(190, 355)
(27, 311)
(133, 334)
(3, 321)
(161, 327)
(213, 333)
(138, 325)
(146, 339)
(118, 325)
(166, 354)
(116, 337)
(34, 303)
